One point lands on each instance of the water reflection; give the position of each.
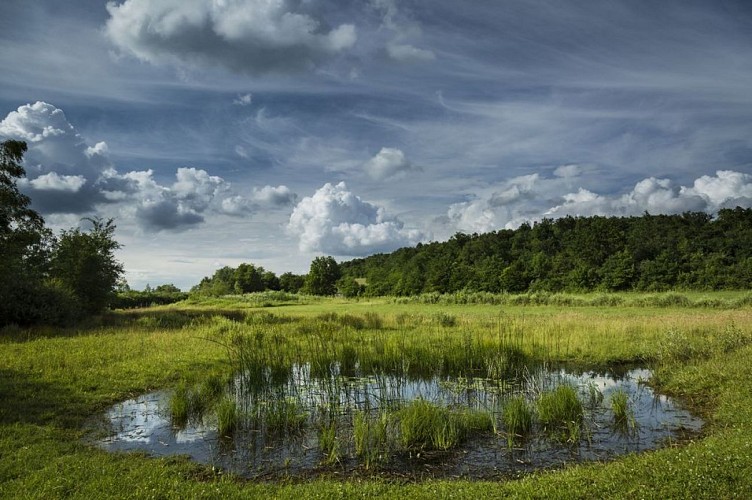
(143, 423)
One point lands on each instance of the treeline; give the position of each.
(246, 278)
(158, 296)
(323, 278)
(692, 251)
(47, 278)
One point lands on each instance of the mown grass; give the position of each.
(53, 383)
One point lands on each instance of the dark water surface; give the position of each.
(144, 424)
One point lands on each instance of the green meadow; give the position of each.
(55, 385)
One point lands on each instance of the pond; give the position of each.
(296, 423)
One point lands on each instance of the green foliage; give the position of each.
(227, 417)
(691, 251)
(560, 412)
(160, 296)
(54, 381)
(246, 278)
(623, 415)
(349, 287)
(329, 444)
(322, 277)
(291, 283)
(424, 425)
(85, 264)
(43, 279)
(373, 437)
(517, 417)
(24, 246)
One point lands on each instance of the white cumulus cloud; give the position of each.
(55, 182)
(532, 197)
(389, 163)
(248, 36)
(337, 222)
(67, 176)
(661, 196)
(274, 196)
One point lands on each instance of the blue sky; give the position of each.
(270, 131)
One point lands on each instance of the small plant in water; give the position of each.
(561, 410)
(518, 418)
(227, 417)
(595, 396)
(329, 444)
(371, 437)
(283, 415)
(424, 425)
(623, 414)
(179, 406)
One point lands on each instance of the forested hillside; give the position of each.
(652, 252)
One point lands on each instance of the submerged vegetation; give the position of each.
(198, 349)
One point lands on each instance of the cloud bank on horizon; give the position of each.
(223, 131)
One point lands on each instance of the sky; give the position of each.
(217, 132)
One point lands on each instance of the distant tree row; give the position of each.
(650, 253)
(157, 296)
(246, 278)
(46, 278)
(323, 278)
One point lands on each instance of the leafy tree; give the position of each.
(270, 281)
(248, 279)
(349, 287)
(84, 263)
(167, 288)
(24, 244)
(618, 271)
(322, 276)
(291, 283)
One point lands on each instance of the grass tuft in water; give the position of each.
(283, 416)
(179, 406)
(371, 436)
(518, 418)
(560, 411)
(623, 415)
(329, 444)
(424, 425)
(227, 417)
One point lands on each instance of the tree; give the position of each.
(167, 288)
(24, 244)
(349, 287)
(84, 263)
(291, 283)
(249, 279)
(322, 277)
(270, 281)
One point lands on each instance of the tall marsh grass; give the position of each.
(560, 412)
(517, 417)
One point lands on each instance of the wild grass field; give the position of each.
(55, 383)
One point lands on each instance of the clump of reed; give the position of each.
(227, 417)
(560, 412)
(622, 410)
(517, 417)
(329, 444)
(281, 416)
(192, 402)
(445, 320)
(424, 425)
(372, 437)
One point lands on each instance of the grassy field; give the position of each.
(53, 383)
